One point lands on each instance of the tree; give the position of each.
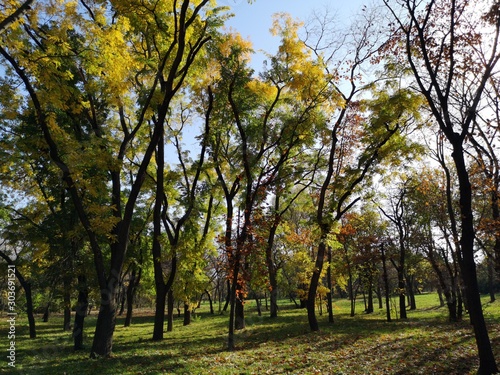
(264, 123)
(361, 134)
(12, 16)
(119, 66)
(452, 47)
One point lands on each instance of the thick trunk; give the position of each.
(313, 286)
(273, 301)
(105, 325)
(80, 312)
(239, 314)
(160, 300)
(487, 364)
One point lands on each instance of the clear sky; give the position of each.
(253, 21)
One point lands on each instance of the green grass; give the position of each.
(365, 344)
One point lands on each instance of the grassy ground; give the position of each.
(365, 344)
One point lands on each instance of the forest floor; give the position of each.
(425, 343)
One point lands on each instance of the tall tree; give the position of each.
(360, 134)
(118, 65)
(452, 47)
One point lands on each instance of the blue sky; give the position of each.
(253, 21)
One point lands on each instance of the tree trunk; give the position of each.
(258, 304)
(401, 291)
(134, 281)
(160, 301)
(239, 318)
(491, 279)
(46, 313)
(170, 310)
(411, 292)
(80, 312)
(210, 302)
(379, 296)
(228, 295)
(106, 321)
(386, 284)
(187, 314)
(369, 308)
(273, 301)
(487, 364)
(329, 286)
(313, 286)
(29, 309)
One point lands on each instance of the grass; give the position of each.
(365, 344)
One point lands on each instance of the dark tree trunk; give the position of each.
(122, 299)
(239, 318)
(210, 302)
(187, 314)
(491, 279)
(487, 364)
(27, 291)
(258, 303)
(106, 320)
(80, 312)
(135, 279)
(170, 310)
(46, 313)
(401, 291)
(379, 296)
(369, 308)
(313, 286)
(447, 290)
(228, 295)
(160, 301)
(330, 287)
(440, 296)
(411, 292)
(386, 284)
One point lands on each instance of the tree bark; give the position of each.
(313, 286)
(80, 312)
(170, 310)
(106, 320)
(487, 364)
(187, 314)
(386, 284)
(329, 286)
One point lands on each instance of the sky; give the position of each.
(253, 21)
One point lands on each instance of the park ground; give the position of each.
(425, 343)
